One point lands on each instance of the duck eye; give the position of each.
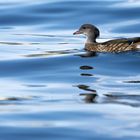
(84, 27)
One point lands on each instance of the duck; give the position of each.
(113, 46)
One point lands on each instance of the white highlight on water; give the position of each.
(138, 46)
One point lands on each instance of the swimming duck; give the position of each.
(116, 45)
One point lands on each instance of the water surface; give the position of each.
(51, 88)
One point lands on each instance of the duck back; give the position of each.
(117, 45)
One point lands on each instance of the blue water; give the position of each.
(50, 88)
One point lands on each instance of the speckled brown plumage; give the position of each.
(117, 45)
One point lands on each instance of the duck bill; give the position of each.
(77, 32)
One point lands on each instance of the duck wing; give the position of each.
(135, 40)
(120, 45)
(128, 41)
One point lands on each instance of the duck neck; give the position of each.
(91, 39)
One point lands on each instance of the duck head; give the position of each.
(90, 31)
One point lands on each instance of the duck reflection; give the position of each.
(85, 67)
(86, 74)
(111, 98)
(122, 99)
(86, 88)
(130, 100)
(91, 95)
(87, 54)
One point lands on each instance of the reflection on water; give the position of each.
(130, 100)
(17, 100)
(53, 53)
(86, 88)
(86, 67)
(131, 81)
(88, 54)
(11, 43)
(89, 98)
(51, 88)
(86, 74)
(109, 98)
(113, 98)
